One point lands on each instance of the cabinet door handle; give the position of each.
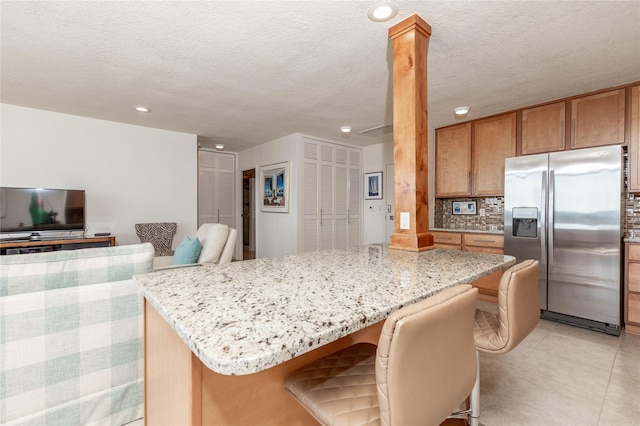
(218, 215)
(573, 133)
(562, 134)
(320, 217)
(483, 241)
(348, 211)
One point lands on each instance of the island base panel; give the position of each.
(172, 375)
(488, 286)
(179, 389)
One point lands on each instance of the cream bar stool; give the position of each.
(423, 368)
(518, 314)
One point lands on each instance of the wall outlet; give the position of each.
(404, 220)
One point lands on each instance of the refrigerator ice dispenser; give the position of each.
(525, 222)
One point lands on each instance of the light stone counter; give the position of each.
(244, 317)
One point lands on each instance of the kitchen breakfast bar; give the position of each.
(220, 339)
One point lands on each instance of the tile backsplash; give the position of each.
(490, 216)
(631, 215)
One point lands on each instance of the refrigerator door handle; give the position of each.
(543, 219)
(552, 184)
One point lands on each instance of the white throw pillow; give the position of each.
(213, 237)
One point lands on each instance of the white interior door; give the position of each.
(389, 201)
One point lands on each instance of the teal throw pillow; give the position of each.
(187, 252)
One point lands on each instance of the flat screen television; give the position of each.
(36, 210)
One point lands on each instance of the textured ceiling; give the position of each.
(244, 73)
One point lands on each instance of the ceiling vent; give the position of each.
(376, 132)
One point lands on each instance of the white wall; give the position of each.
(375, 159)
(131, 174)
(276, 233)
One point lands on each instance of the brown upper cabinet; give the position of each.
(469, 165)
(453, 161)
(634, 141)
(598, 120)
(494, 140)
(543, 128)
(470, 156)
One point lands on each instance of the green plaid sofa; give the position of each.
(71, 350)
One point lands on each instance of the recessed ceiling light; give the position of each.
(382, 11)
(219, 146)
(461, 112)
(345, 129)
(142, 109)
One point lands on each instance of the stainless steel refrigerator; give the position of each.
(563, 209)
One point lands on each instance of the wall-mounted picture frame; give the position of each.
(373, 186)
(274, 179)
(464, 208)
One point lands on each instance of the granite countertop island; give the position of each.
(245, 317)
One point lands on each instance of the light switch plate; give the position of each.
(404, 220)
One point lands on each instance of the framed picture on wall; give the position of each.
(464, 208)
(373, 186)
(274, 180)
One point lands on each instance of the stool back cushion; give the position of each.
(426, 359)
(519, 306)
(519, 301)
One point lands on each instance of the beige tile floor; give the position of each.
(562, 375)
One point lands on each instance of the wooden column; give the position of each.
(410, 140)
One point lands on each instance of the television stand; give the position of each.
(30, 245)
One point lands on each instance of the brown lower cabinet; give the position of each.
(478, 242)
(632, 288)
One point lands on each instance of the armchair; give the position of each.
(218, 244)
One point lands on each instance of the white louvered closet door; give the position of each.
(340, 197)
(326, 189)
(331, 208)
(216, 201)
(311, 209)
(354, 222)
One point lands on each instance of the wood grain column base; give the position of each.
(412, 242)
